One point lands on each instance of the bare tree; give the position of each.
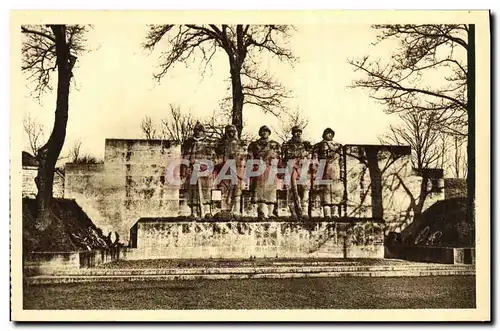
(74, 152)
(48, 49)
(148, 128)
(433, 69)
(244, 45)
(420, 132)
(284, 130)
(443, 140)
(459, 163)
(34, 132)
(410, 82)
(178, 126)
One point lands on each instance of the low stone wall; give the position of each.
(171, 238)
(130, 184)
(94, 258)
(40, 263)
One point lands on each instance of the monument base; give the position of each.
(172, 238)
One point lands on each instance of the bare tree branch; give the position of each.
(408, 81)
(148, 129)
(39, 53)
(35, 134)
(420, 132)
(242, 44)
(74, 152)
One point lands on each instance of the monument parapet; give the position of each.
(183, 238)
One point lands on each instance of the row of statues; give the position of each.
(322, 160)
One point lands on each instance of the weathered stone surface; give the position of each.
(50, 263)
(129, 185)
(164, 238)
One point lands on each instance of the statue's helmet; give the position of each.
(328, 130)
(296, 128)
(199, 127)
(264, 128)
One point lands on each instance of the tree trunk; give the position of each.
(471, 109)
(238, 98)
(457, 159)
(417, 209)
(376, 182)
(49, 153)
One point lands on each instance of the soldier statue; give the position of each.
(298, 152)
(198, 188)
(263, 187)
(231, 159)
(327, 156)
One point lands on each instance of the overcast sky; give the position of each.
(113, 88)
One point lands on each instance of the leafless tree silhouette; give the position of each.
(432, 70)
(426, 73)
(244, 46)
(74, 152)
(48, 49)
(459, 164)
(34, 133)
(148, 128)
(420, 132)
(178, 126)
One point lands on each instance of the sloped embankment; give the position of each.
(443, 224)
(70, 229)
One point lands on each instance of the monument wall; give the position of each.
(130, 184)
(171, 238)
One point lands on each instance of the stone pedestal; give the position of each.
(176, 238)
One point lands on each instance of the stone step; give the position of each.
(257, 269)
(109, 275)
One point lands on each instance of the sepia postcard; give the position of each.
(250, 166)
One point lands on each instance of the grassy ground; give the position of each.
(308, 293)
